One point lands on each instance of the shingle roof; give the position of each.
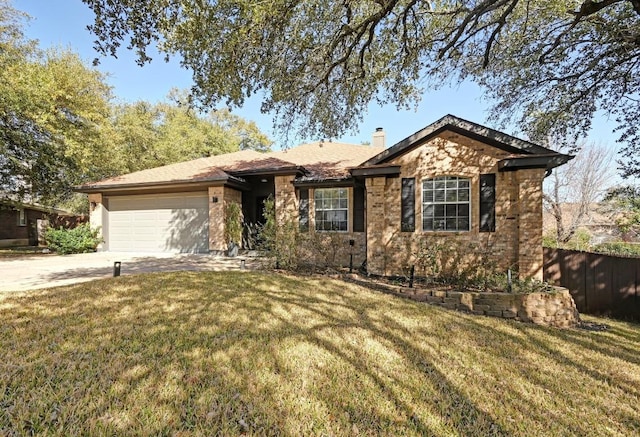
(328, 160)
(211, 168)
(319, 160)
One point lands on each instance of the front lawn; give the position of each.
(265, 354)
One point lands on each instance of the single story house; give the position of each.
(19, 221)
(454, 184)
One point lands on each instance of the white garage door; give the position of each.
(159, 223)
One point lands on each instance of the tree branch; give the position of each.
(500, 24)
(587, 8)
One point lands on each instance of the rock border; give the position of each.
(555, 308)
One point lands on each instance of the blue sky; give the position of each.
(62, 23)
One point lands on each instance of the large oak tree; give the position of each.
(548, 65)
(59, 126)
(52, 112)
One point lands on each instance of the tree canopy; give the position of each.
(548, 65)
(59, 125)
(624, 203)
(52, 108)
(149, 135)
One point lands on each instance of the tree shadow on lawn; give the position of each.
(258, 353)
(604, 378)
(435, 385)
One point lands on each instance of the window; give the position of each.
(446, 204)
(22, 218)
(331, 208)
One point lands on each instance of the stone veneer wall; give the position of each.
(318, 249)
(556, 308)
(332, 248)
(530, 253)
(286, 203)
(550, 309)
(217, 243)
(517, 240)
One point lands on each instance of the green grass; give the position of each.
(266, 354)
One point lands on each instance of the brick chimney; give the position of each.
(378, 139)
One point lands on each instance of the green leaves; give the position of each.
(81, 239)
(147, 135)
(548, 66)
(52, 109)
(60, 128)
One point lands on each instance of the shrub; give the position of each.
(80, 239)
(618, 248)
(581, 240)
(279, 241)
(233, 223)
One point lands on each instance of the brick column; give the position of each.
(286, 204)
(224, 195)
(375, 225)
(530, 256)
(216, 220)
(98, 219)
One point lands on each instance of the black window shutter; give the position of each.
(487, 202)
(408, 195)
(303, 209)
(358, 208)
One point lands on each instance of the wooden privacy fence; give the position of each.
(600, 284)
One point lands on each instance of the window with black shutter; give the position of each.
(487, 202)
(303, 209)
(408, 195)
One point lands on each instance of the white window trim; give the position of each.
(315, 210)
(468, 202)
(22, 217)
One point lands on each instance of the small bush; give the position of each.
(618, 248)
(81, 239)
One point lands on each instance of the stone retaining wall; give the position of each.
(551, 309)
(555, 308)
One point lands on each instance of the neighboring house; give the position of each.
(18, 222)
(454, 183)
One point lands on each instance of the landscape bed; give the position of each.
(259, 353)
(552, 307)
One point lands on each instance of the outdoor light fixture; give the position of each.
(263, 180)
(93, 205)
(214, 199)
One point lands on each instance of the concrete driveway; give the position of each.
(43, 271)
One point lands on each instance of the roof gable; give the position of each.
(466, 128)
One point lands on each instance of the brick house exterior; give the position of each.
(456, 185)
(18, 222)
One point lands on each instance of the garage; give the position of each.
(177, 222)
